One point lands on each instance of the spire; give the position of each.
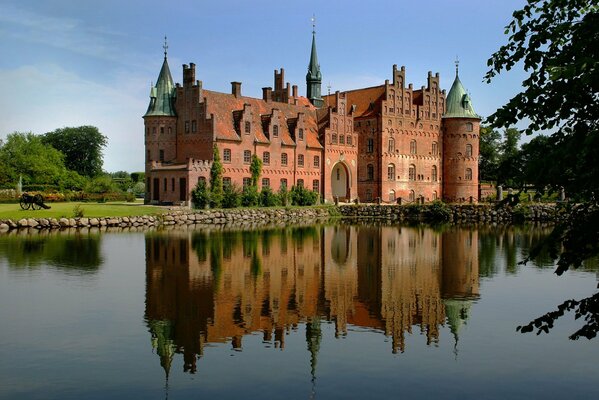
(162, 95)
(314, 77)
(458, 103)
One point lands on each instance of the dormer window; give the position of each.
(248, 126)
(275, 130)
(300, 134)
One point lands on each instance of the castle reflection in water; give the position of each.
(213, 287)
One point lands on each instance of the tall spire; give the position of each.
(314, 77)
(162, 95)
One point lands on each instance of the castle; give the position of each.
(387, 143)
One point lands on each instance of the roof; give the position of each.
(223, 105)
(162, 95)
(367, 100)
(458, 104)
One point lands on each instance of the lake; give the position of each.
(323, 311)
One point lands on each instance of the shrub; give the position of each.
(250, 196)
(283, 196)
(200, 196)
(301, 196)
(268, 198)
(437, 211)
(78, 211)
(231, 196)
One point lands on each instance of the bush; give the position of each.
(301, 196)
(78, 211)
(231, 196)
(250, 196)
(437, 211)
(200, 196)
(268, 198)
(283, 196)
(101, 184)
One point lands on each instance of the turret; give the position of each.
(314, 77)
(461, 126)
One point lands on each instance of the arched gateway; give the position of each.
(340, 181)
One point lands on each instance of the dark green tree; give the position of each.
(490, 140)
(508, 170)
(556, 43)
(82, 147)
(216, 180)
(255, 170)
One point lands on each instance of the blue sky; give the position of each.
(79, 62)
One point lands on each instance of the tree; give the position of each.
(216, 179)
(82, 147)
(556, 42)
(509, 164)
(488, 153)
(255, 170)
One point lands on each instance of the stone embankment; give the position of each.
(237, 217)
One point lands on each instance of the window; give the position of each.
(391, 196)
(412, 172)
(316, 185)
(413, 147)
(370, 172)
(391, 145)
(391, 172)
(247, 156)
(469, 127)
(434, 173)
(341, 139)
(170, 130)
(468, 174)
(173, 184)
(435, 150)
(161, 130)
(275, 130)
(248, 126)
(468, 150)
(316, 161)
(161, 155)
(227, 155)
(334, 139)
(434, 195)
(186, 126)
(284, 159)
(300, 160)
(349, 140)
(370, 145)
(226, 181)
(266, 158)
(194, 126)
(265, 182)
(284, 183)
(164, 184)
(300, 183)
(412, 195)
(247, 182)
(300, 134)
(202, 179)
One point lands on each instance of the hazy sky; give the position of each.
(79, 62)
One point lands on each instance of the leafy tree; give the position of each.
(231, 196)
(250, 196)
(82, 147)
(509, 159)
(488, 153)
(200, 195)
(255, 169)
(216, 179)
(556, 42)
(102, 184)
(138, 177)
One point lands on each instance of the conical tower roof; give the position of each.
(313, 66)
(162, 95)
(458, 102)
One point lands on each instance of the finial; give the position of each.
(457, 65)
(329, 88)
(165, 46)
(313, 19)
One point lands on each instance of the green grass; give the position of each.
(110, 209)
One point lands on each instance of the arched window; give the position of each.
(349, 140)
(468, 176)
(468, 150)
(334, 138)
(370, 172)
(341, 139)
(412, 172)
(391, 172)
(266, 158)
(435, 149)
(469, 127)
(369, 145)
(391, 145)
(434, 173)
(435, 195)
(413, 147)
(391, 195)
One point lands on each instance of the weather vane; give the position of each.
(165, 46)
(457, 64)
(313, 19)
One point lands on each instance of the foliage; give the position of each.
(231, 196)
(138, 177)
(82, 148)
(78, 211)
(255, 169)
(488, 153)
(300, 196)
(437, 211)
(139, 188)
(283, 195)
(507, 170)
(216, 179)
(101, 184)
(250, 196)
(200, 196)
(556, 42)
(268, 198)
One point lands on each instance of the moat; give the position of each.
(329, 311)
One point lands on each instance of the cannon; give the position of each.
(35, 202)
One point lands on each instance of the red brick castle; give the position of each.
(386, 143)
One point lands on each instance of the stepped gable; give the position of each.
(222, 107)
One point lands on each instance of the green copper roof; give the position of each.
(458, 102)
(162, 95)
(313, 67)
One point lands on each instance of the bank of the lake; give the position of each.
(478, 213)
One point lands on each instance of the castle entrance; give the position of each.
(340, 181)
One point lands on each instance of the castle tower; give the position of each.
(160, 121)
(314, 77)
(461, 127)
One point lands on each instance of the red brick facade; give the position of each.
(384, 143)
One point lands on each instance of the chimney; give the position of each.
(189, 74)
(267, 93)
(236, 89)
(294, 89)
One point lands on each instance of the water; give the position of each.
(319, 311)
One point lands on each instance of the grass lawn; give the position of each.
(59, 210)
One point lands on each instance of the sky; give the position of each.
(81, 62)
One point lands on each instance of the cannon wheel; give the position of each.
(24, 204)
(38, 200)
